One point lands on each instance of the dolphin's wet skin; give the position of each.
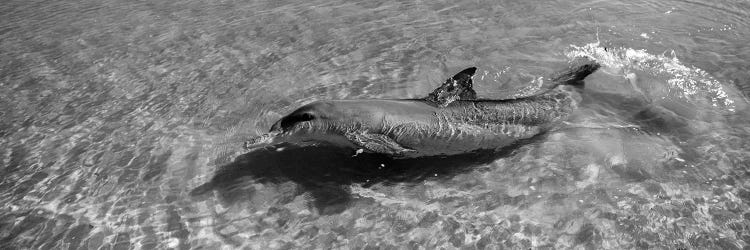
(449, 121)
(374, 125)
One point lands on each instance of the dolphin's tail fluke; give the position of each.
(579, 69)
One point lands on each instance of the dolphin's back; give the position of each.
(529, 111)
(467, 125)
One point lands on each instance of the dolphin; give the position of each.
(450, 120)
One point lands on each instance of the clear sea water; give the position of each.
(122, 125)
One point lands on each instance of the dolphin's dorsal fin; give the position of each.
(458, 87)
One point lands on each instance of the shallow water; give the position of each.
(122, 123)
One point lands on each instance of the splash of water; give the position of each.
(263, 140)
(689, 83)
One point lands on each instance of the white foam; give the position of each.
(687, 82)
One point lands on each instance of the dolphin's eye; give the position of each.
(296, 118)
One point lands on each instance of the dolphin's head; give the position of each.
(301, 118)
(322, 121)
(317, 117)
(342, 116)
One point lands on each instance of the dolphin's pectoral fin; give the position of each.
(458, 87)
(377, 143)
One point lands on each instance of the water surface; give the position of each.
(117, 116)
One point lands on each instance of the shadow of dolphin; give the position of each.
(397, 140)
(326, 172)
